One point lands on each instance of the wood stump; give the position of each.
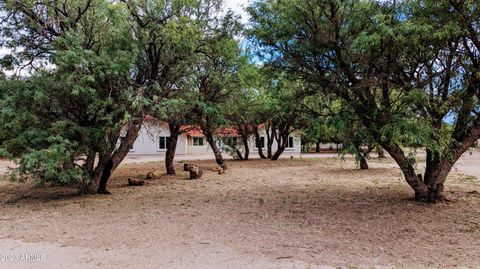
(195, 173)
(136, 182)
(187, 167)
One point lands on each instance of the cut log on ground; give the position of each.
(187, 167)
(195, 173)
(219, 170)
(152, 175)
(136, 182)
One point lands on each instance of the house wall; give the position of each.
(297, 147)
(147, 142)
(198, 150)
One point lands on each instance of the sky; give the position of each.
(238, 7)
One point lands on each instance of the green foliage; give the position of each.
(400, 66)
(71, 108)
(53, 164)
(98, 66)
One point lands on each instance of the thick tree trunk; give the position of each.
(415, 181)
(244, 134)
(317, 146)
(436, 172)
(88, 169)
(260, 148)
(270, 133)
(282, 143)
(246, 147)
(94, 184)
(107, 172)
(170, 154)
(430, 188)
(171, 148)
(111, 158)
(216, 151)
(363, 163)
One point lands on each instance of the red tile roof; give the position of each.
(192, 130)
(195, 130)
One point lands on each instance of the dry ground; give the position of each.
(309, 213)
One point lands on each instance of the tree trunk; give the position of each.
(94, 184)
(239, 154)
(363, 163)
(110, 159)
(216, 150)
(415, 181)
(244, 135)
(436, 172)
(260, 148)
(282, 143)
(246, 148)
(317, 146)
(431, 188)
(107, 172)
(171, 148)
(270, 132)
(88, 169)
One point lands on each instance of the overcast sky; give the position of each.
(235, 5)
(238, 6)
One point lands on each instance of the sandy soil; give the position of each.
(309, 213)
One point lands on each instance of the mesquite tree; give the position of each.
(391, 62)
(215, 77)
(282, 111)
(170, 35)
(177, 113)
(72, 107)
(353, 136)
(241, 109)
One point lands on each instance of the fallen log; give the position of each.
(152, 175)
(136, 182)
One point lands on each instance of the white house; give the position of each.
(154, 134)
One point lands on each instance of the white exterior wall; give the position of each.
(297, 144)
(147, 142)
(198, 150)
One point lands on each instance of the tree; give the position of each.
(353, 136)
(241, 109)
(105, 66)
(76, 100)
(402, 72)
(319, 109)
(282, 111)
(216, 76)
(177, 113)
(171, 35)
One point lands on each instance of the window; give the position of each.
(290, 142)
(198, 141)
(260, 143)
(231, 141)
(163, 142)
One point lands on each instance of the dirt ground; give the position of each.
(299, 213)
